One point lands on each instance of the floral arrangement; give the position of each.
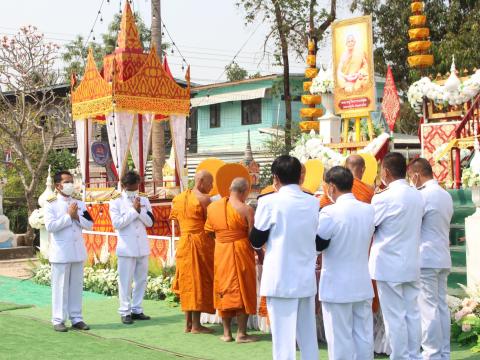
(464, 153)
(310, 146)
(470, 178)
(37, 219)
(105, 281)
(443, 95)
(323, 83)
(466, 319)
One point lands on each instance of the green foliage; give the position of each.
(234, 72)
(453, 27)
(61, 160)
(265, 176)
(17, 214)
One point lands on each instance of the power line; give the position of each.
(173, 43)
(99, 15)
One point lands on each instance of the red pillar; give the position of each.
(458, 179)
(140, 152)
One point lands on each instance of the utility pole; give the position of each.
(158, 130)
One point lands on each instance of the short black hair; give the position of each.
(288, 169)
(341, 177)
(130, 178)
(422, 166)
(57, 178)
(396, 164)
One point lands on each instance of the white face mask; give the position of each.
(330, 197)
(67, 189)
(131, 194)
(383, 182)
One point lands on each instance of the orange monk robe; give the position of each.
(364, 193)
(360, 190)
(234, 271)
(194, 256)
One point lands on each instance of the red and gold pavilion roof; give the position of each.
(132, 81)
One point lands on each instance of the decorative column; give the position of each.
(310, 114)
(419, 34)
(42, 200)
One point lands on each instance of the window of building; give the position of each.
(215, 116)
(251, 112)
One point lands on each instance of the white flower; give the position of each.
(36, 219)
(323, 83)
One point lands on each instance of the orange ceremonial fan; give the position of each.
(211, 165)
(226, 174)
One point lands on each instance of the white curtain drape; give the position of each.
(147, 128)
(178, 126)
(120, 126)
(81, 145)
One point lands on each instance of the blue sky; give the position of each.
(208, 32)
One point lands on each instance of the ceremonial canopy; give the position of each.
(132, 90)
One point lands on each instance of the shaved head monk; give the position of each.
(194, 257)
(235, 292)
(362, 192)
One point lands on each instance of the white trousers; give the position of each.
(399, 302)
(132, 269)
(67, 287)
(349, 330)
(292, 321)
(435, 314)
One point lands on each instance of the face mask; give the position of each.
(131, 194)
(413, 183)
(67, 189)
(384, 183)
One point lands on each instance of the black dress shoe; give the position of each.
(60, 328)
(80, 326)
(140, 316)
(127, 319)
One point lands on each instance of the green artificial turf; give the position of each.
(26, 333)
(26, 292)
(23, 338)
(5, 306)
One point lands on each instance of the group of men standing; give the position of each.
(400, 240)
(65, 217)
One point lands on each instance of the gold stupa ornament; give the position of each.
(310, 113)
(419, 35)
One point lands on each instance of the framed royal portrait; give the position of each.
(352, 46)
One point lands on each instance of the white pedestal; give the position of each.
(472, 232)
(330, 128)
(44, 242)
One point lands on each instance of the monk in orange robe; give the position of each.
(234, 284)
(194, 257)
(362, 192)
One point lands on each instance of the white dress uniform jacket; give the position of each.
(289, 264)
(435, 242)
(348, 224)
(394, 256)
(67, 244)
(130, 226)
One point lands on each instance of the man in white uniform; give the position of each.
(345, 229)
(131, 214)
(435, 261)
(64, 219)
(395, 257)
(287, 222)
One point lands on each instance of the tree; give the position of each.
(234, 72)
(32, 115)
(454, 26)
(158, 131)
(292, 23)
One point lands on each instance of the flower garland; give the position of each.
(456, 94)
(323, 83)
(310, 146)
